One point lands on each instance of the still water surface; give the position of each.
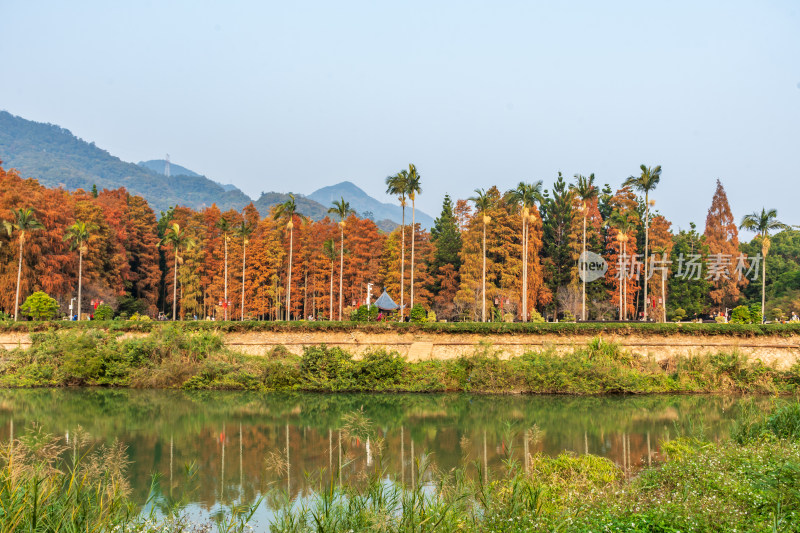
(248, 445)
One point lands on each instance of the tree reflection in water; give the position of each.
(292, 429)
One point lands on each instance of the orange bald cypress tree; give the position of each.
(47, 260)
(661, 244)
(722, 238)
(623, 204)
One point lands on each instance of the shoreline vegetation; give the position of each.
(531, 328)
(192, 356)
(747, 482)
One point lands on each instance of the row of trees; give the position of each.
(499, 255)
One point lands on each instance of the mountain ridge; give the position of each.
(57, 158)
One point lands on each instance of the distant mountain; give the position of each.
(305, 206)
(159, 167)
(56, 157)
(310, 208)
(363, 203)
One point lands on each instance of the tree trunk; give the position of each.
(583, 301)
(330, 308)
(19, 278)
(483, 312)
(413, 238)
(402, 261)
(620, 274)
(289, 277)
(244, 256)
(663, 296)
(764, 289)
(175, 286)
(80, 279)
(341, 275)
(625, 282)
(524, 268)
(646, 244)
(226, 278)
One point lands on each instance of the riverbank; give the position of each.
(180, 357)
(777, 345)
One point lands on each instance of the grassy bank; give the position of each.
(563, 328)
(172, 357)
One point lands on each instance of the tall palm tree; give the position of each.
(414, 189)
(525, 196)
(342, 210)
(288, 210)
(483, 203)
(22, 222)
(662, 251)
(398, 185)
(645, 182)
(78, 236)
(225, 227)
(243, 231)
(762, 223)
(624, 226)
(178, 238)
(586, 192)
(330, 251)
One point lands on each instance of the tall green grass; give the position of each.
(48, 485)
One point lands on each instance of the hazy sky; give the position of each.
(298, 95)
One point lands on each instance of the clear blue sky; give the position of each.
(298, 95)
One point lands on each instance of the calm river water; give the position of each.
(245, 445)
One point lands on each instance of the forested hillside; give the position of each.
(56, 157)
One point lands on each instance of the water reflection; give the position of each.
(244, 445)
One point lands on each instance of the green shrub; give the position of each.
(39, 306)
(678, 314)
(741, 315)
(535, 316)
(378, 370)
(418, 314)
(755, 314)
(324, 368)
(364, 314)
(103, 312)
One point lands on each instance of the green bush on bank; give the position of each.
(172, 357)
(489, 328)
